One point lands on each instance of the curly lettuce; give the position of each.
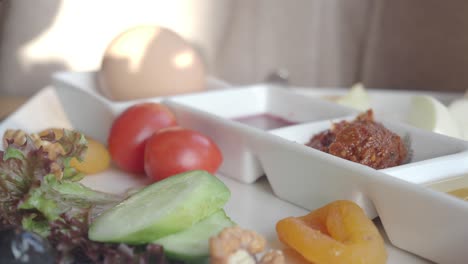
(40, 192)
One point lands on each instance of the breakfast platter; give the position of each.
(252, 206)
(259, 159)
(149, 160)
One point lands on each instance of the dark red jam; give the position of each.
(265, 121)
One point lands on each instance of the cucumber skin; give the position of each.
(208, 199)
(212, 230)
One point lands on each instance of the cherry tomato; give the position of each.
(131, 129)
(176, 150)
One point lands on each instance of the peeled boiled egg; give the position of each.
(356, 98)
(150, 61)
(459, 111)
(428, 113)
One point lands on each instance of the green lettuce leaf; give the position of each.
(40, 192)
(36, 177)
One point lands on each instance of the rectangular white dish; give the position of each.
(310, 178)
(252, 206)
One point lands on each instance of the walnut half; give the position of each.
(53, 149)
(235, 245)
(273, 257)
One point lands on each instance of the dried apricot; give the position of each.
(339, 232)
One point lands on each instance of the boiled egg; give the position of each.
(459, 111)
(428, 113)
(150, 61)
(356, 98)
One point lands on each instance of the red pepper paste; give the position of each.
(364, 141)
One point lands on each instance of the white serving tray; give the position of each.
(252, 206)
(305, 176)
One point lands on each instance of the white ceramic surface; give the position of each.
(212, 113)
(252, 206)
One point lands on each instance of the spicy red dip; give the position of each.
(364, 141)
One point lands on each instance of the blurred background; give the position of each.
(394, 44)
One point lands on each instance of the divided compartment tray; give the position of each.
(411, 214)
(280, 153)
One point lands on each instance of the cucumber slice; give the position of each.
(191, 245)
(161, 209)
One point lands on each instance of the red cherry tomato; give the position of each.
(131, 129)
(176, 150)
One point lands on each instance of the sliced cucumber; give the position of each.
(161, 209)
(191, 245)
